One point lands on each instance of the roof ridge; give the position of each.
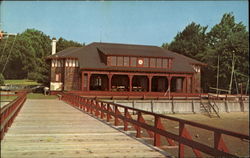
(124, 44)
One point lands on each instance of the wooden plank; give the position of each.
(51, 128)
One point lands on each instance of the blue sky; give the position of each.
(134, 22)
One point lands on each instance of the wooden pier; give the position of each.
(52, 128)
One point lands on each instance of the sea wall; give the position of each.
(183, 106)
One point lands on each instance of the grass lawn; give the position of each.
(7, 98)
(4, 100)
(21, 82)
(40, 96)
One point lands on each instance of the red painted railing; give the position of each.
(137, 95)
(122, 115)
(10, 111)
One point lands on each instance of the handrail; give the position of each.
(207, 110)
(10, 111)
(213, 106)
(108, 110)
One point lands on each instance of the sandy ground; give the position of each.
(235, 121)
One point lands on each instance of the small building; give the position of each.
(110, 67)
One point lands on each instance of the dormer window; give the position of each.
(147, 62)
(126, 61)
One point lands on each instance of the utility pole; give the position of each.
(218, 69)
(232, 72)
(247, 86)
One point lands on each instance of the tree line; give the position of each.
(24, 56)
(225, 47)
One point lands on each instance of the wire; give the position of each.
(4, 48)
(9, 55)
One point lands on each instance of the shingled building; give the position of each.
(107, 67)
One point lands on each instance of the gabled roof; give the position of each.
(90, 58)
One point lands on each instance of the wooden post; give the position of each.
(88, 85)
(149, 83)
(169, 83)
(181, 134)
(82, 81)
(102, 108)
(125, 122)
(219, 143)
(110, 81)
(157, 137)
(138, 130)
(116, 116)
(130, 82)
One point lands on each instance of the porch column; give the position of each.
(130, 82)
(189, 85)
(193, 84)
(184, 87)
(88, 85)
(110, 79)
(82, 81)
(179, 84)
(169, 83)
(150, 83)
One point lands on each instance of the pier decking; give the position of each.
(52, 128)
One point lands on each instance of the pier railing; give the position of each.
(156, 130)
(10, 111)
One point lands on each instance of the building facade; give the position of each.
(123, 68)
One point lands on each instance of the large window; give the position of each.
(159, 63)
(113, 61)
(146, 62)
(119, 61)
(165, 63)
(152, 62)
(126, 61)
(133, 61)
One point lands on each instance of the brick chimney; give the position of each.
(53, 46)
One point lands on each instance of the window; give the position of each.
(165, 63)
(113, 61)
(133, 61)
(146, 63)
(158, 62)
(66, 63)
(119, 61)
(170, 61)
(53, 63)
(77, 64)
(58, 77)
(126, 61)
(85, 83)
(152, 62)
(70, 63)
